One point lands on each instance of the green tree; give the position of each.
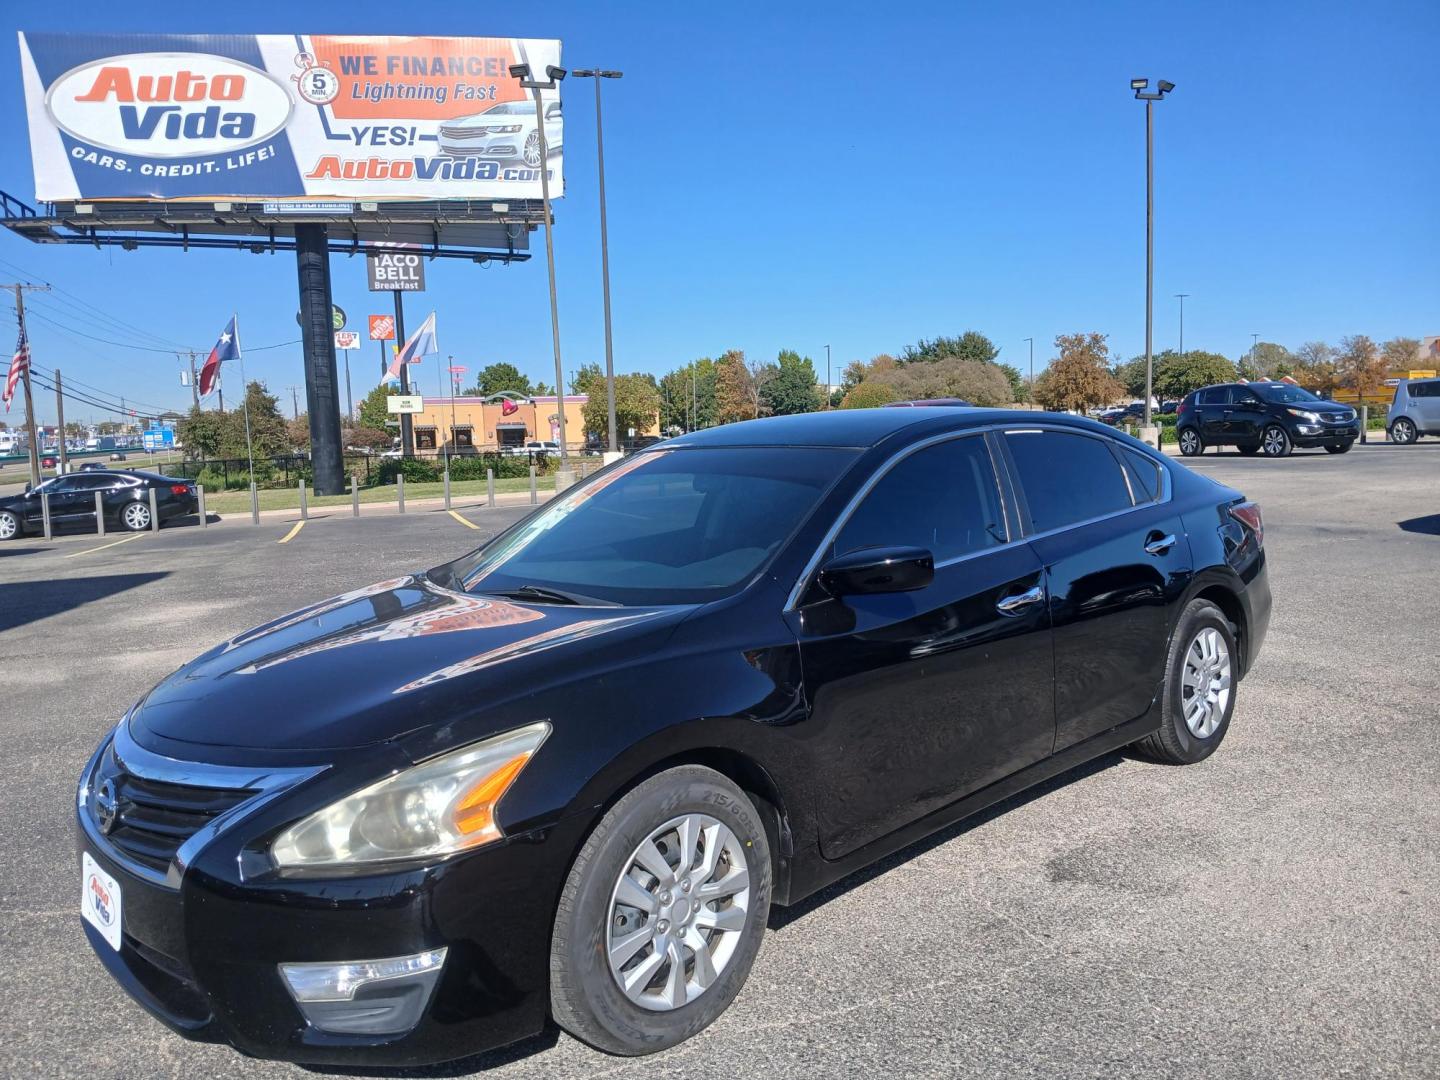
(971, 345)
(1131, 373)
(494, 378)
(869, 394)
(298, 431)
(268, 434)
(1270, 361)
(1179, 373)
(1315, 367)
(1019, 388)
(735, 397)
(373, 413)
(201, 433)
(589, 379)
(543, 389)
(791, 388)
(637, 405)
(1079, 377)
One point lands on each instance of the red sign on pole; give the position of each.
(382, 327)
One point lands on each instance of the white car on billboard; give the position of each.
(506, 130)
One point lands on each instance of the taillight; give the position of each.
(179, 489)
(1249, 514)
(1183, 408)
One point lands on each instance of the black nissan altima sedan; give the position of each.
(564, 777)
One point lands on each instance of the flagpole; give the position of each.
(244, 396)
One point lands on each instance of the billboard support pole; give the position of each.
(322, 397)
(349, 398)
(407, 426)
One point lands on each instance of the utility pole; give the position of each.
(294, 402)
(1181, 297)
(60, 424)
(194, 383)
(29, 401)
(828, 392)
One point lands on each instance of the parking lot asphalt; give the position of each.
(1271, 912)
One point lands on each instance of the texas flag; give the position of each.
(421, 343)
(227, 348)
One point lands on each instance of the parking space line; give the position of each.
(102, 547)
(291, 534)
(463, 521)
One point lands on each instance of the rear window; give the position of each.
(1425, 389)
(1067, 477)
(1144, 474)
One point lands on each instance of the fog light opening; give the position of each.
(365, 997)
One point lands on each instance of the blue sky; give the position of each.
(792, 175)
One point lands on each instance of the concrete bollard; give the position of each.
(1364, 423)
(400, 491)
(447, 486)
(154, 513)
(200, 494)
(489, 487)
(534, 498)
(45, 513)
(354, 496)
(99, 514)
(304, 506)
(254, 504)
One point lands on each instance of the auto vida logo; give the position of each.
(169, 105)
(101, 903)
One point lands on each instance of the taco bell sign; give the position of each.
(396, 271)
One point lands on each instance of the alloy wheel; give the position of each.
(1205, 683)
(1403, 431)
(677, 912)
(1189, 442)
(137, 517)
(1275, 442)
(9, 526)
(532, 150)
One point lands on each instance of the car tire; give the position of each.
(1202, 656)
(1191, 444)
(1339, 448)
(11, 527)
(1249, 451)
(1275, 441)
(1404, 432)
(135, 516)
(591, 950)
(531, 150)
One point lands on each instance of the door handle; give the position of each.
(1160, 544)
(1012, 605)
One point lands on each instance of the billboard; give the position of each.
(223, 116)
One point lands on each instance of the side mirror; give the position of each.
(27, 487)
(878, 570)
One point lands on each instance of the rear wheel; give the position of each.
(1339, 448)
(1275, 441)
(136, 517)
(662, 914)
(1403, 431)
(1190, 442)
(9, 525)
(1199, 695)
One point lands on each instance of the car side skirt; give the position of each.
(809, 871)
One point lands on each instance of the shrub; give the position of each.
(414, 470)
(211, 480)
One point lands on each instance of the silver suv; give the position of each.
(1415, 410)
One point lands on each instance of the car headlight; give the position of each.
(436, 808)
(508, 129)
(1306, 415)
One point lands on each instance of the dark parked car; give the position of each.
(1274, 417)
(566, 775)
(125, 498)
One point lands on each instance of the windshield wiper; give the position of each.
(548, 595)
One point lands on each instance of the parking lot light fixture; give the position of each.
(597, 75)
(521, 73)
(1149, 97)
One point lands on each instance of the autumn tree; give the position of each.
(1315, 367)
(1360, 365)
(297, 431)
(869, 394)
(735, 395)
(1271, 361)
(1079, 377)
(1400, 354)
(972, 380)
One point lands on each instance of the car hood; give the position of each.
(385, 661)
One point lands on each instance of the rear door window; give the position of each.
(1144, 474)
(1067, 478)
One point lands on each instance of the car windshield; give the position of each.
(1284, 394)
(665, 526)
(511, 108)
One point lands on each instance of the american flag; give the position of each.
(19, 365)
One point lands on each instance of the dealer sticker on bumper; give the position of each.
(100, 900)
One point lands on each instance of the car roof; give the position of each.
(863, 428)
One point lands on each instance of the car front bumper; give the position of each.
(205, 957)
(1310, 435)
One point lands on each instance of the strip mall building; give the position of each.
(474, 424)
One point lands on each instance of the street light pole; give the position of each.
(1031, 340)
(1149, 97)
(597, 75)
(829, 393)
(521, 72)
(1254, 344)
(1181, 297)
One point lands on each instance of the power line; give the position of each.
(101, 391)
(98, 311)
